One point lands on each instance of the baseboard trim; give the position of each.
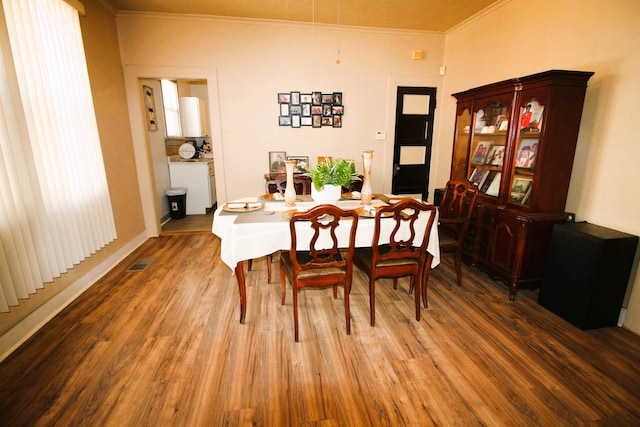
(28, 326)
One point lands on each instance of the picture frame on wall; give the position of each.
(337, 98)
(284, 120)
(295, 98)
(305, 98)
(295, 121)
(327, 98)
(306, 121)
(276, 161)
(283, 98)
(150, 108)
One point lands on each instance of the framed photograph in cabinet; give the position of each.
(520, 188)
(302, 163)
(494, 187)
(480, 154)
(488, 181)
(527, 151)
(478, 176)
(495, 156)
(531, 119)
(276, 161)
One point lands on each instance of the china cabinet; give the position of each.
(516, 141)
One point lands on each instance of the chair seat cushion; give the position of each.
(447, 242)
(363, 256)
(303, 257)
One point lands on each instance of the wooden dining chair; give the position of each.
(456, 209)
(326, 262)
(279, 185)
(404, 255)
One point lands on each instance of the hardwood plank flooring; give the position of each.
(163, 347)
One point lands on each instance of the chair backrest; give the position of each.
(279, 184)
(325, 244)
(456, 208)
(406, 233)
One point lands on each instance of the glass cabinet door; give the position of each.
(461, 145)
(488, 147)
(528, 141)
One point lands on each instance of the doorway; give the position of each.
(415, 108)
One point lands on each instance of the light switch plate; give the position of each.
(381, 134)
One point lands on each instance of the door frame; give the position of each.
(141, 149)
(393, 83)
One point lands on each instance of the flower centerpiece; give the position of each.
(329, 177)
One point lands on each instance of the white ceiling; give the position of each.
(428, 15)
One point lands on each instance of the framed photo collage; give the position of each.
(315, 109)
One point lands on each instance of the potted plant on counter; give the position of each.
(329, 177)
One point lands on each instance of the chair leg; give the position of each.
(395, 283)
(458, 263)
(347, 311)
(425, 279)
(269, 260)
(372, 301)
(295, 312)
(283, 283)
(417, 295)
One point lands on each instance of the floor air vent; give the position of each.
(140, 264)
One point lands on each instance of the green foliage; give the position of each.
(340, 173)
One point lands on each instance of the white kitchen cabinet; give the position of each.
(198, 178)
(193, 116)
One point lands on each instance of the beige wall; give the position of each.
(105, 72)
(517, 38)
(254, 60)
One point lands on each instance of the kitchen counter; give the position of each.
(180, 159)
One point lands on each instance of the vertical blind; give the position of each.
(55, 208)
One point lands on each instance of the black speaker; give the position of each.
(586, 273)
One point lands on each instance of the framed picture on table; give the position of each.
(302, 163)
(276, 161)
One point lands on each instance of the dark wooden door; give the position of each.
(415, 110)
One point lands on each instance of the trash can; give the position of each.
(177, 202)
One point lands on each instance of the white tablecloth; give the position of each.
(251, 235)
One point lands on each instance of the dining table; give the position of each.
(254, 227)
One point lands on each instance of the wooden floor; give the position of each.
(163, 347)
(189, 224)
